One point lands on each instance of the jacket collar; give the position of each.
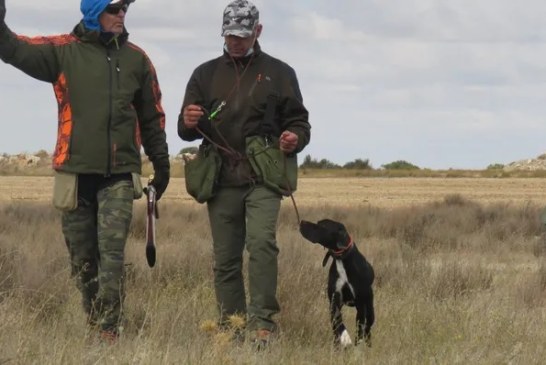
(244, 60)
(106, 39)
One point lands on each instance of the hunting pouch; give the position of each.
(65, 190)
(274, 168)
(201, 172)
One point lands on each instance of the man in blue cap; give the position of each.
(109, 106)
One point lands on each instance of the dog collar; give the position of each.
(339, 254)
(344, 251)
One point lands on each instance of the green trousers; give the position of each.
(240, 217)
(95, 234)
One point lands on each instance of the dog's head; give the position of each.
(328, 233)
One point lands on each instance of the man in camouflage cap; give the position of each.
(245, 95)
(240, 19)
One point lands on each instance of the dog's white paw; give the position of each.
(345, 339)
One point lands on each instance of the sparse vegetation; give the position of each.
(495, 166)
(358, 164)
(309, 167)
(42, 154)
(400, 165)
(311, 163)
(192, 150)
(457, 281)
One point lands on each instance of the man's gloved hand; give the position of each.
(161, 178)
(2, 10)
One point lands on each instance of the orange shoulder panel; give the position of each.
(64, 131)
(56, 40)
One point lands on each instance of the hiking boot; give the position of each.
(108, 337)
(262, 339)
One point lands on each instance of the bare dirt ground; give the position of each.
(381, 192)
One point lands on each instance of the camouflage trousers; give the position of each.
(95, 234)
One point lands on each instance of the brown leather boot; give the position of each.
(108, 337)
(262, 339)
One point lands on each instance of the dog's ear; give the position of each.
(312, 232)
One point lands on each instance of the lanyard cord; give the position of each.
(230, 151)
(289, 188)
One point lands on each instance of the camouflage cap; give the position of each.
(240, 19)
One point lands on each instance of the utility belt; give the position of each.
(273, 168)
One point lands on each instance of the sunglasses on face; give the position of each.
(115, 9)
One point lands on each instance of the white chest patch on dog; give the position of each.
(342, 279)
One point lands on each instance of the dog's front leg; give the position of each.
(341, 335)
(360, 321)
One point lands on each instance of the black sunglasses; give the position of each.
(114, 9)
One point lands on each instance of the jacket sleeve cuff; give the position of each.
(7, 49)
(162, 164)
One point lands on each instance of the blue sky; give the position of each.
(438, 83)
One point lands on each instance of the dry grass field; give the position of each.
(460, 277)
(352, 191)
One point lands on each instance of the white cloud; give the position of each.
(323, 28)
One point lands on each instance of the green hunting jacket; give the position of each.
(109, 101)
(245, 85)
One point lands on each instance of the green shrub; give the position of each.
(400, 165)
(495, 166)
(358, 164)
(312, 163)
(191, 149)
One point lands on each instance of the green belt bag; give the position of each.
(273, 167)
(201, 173)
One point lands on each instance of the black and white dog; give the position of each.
(349, 280)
